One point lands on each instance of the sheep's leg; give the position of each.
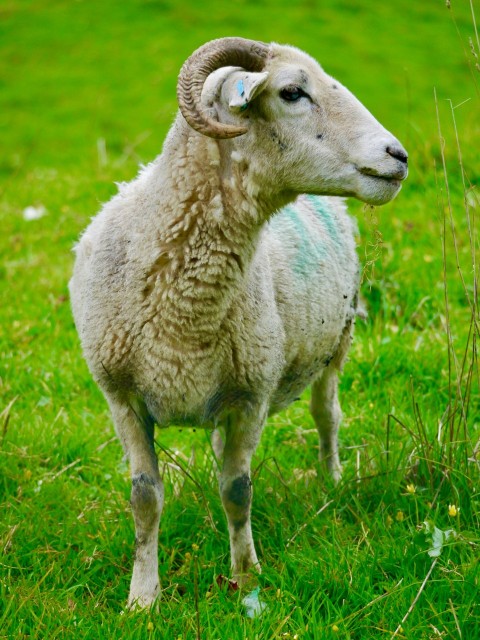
(326, 412)
(241, 440)
(135, 430)
(217, 444)
(325, 406)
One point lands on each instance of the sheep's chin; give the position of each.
(376, 190)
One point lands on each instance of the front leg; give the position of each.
(136, 431)
(242, 435)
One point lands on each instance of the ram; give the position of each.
(223, 280)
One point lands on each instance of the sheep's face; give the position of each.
(306, 132)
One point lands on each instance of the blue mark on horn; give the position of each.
(240, 88)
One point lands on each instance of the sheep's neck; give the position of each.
(207, 241)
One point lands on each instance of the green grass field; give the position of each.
(87, 92)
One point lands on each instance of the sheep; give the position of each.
(221, 282)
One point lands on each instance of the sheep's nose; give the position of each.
(397, 152)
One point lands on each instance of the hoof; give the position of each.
(331, 467)
(142, 601)
(248, 579)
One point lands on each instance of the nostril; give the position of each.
(398, 153)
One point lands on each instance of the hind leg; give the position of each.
(218, 443)
(325, 406)
(135, 430)
(327, 414)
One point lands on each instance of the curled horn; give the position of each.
(224, 52)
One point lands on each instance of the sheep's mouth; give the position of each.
(378, 188)
(392, 177)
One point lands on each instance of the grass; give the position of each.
(87, 91)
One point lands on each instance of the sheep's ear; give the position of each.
(242, 87)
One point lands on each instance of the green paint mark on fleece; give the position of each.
(311, 242)
(309, 246)
(324, 212)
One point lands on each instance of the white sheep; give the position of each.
(210, 292)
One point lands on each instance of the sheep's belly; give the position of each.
(227, 399)
(297, 377)
(205, 401)
(291, 387)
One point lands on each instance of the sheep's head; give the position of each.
(301, 129)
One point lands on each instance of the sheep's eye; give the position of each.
(292, 94)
